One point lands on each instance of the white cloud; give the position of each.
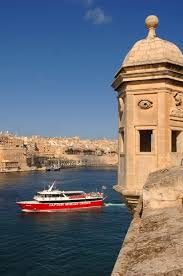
(97, 16)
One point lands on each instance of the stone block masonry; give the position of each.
(153, 245)
(150, 108)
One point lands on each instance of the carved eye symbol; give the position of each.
(145, 104)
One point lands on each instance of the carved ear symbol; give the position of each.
(145, 104)
(178, 98)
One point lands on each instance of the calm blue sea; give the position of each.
(71, 243)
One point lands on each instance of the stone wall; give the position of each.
(94, 160)
(154, 242)
(60, 146)
(13, 154)
(27, 153)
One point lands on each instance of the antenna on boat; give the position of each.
(51, 187)
(104, 188)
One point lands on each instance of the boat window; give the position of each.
(73, 194)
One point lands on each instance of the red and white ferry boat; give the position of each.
(53, 200)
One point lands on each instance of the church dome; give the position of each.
(153, 49)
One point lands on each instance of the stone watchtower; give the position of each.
(150, 96)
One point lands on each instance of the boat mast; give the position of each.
(51, 187)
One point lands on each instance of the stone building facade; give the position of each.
(36, 152)
(13, 154)
(150, 98)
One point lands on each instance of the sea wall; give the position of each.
(94, 160)
(154, 242)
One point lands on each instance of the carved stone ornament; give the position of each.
(178, 98)
(176, 112)
(121, 105)
(145, 104)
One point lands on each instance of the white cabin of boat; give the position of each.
(56, 195)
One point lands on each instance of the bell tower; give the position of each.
(150, 107)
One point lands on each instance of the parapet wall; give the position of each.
(154, 242)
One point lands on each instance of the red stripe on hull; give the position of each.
(55, 207)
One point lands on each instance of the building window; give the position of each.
(122, 137)
(175, 141)
(145, 140)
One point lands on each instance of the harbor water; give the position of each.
(69, 243)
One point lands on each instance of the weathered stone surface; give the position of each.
(150, 106)
(164, 188)
(154, 242)
(149, 84)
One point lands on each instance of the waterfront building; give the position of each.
(36, 152)
(150, 99)
(12, 153)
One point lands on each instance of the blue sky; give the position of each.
(58, 59)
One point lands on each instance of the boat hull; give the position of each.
(56, 207)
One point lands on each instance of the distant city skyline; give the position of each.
(8, 133)
(58, 60)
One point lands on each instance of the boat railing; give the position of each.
(77, 196)
(94, 194)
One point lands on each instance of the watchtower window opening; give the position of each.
(122, 141)
(145, 140)
(175, 141)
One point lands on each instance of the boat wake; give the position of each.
(114, 204)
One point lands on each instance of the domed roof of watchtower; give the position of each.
(153, 49)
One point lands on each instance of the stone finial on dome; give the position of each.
(151, 23)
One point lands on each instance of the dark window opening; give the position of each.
(175, 140)
(145, 140)
(122, 140)
(73, 194)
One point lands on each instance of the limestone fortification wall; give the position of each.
(154, 242)
(61, 145)
(94, 152)
(27, 153)
(110, 160)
